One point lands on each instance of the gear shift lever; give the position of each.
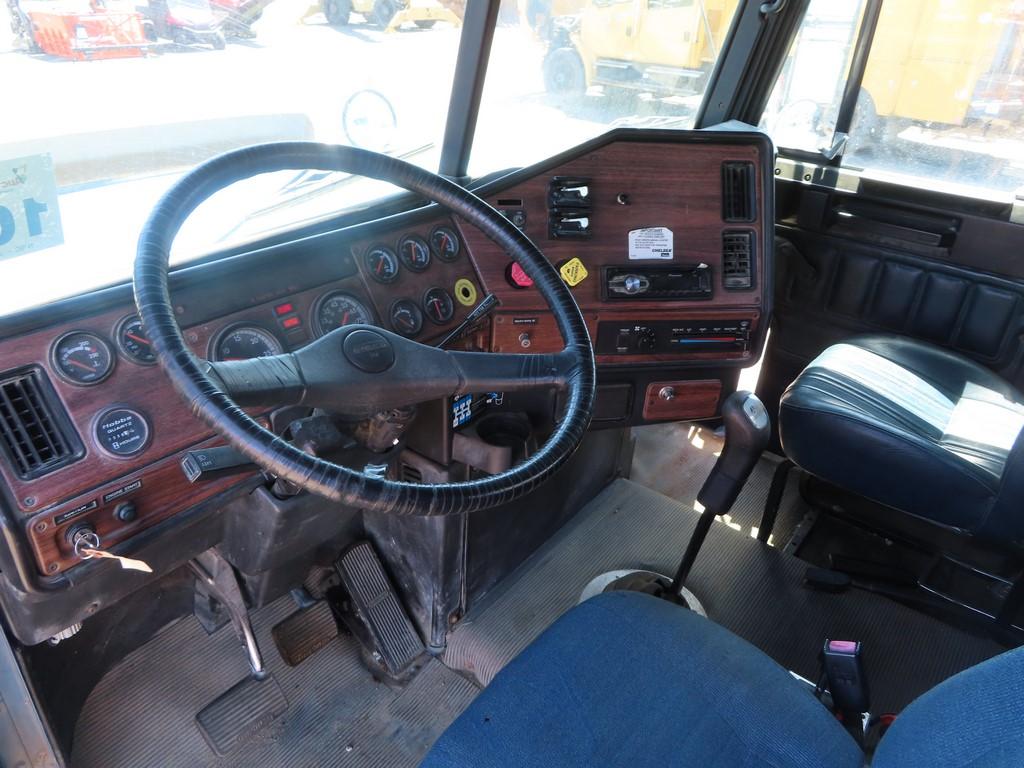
(747, 430)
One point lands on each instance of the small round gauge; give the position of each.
(121, 432)
(381, 264)
(406, 317)
(82, 358)
(414, 252)
(438, 305)
(244, 342)
(337, 309)
(133, 341)
(445, 243)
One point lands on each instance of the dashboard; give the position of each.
(663, 237)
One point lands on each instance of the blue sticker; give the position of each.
(29, 215)
(462, 410)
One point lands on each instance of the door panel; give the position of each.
(848, 265)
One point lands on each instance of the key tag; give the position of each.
(128, 563)
(87, 546)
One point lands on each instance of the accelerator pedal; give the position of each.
(305, 632)
(242, 713)
(374, 613)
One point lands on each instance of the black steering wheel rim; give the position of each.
(208, 400)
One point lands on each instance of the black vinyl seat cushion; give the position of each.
(914, 427)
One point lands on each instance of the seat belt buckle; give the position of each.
(847, 681)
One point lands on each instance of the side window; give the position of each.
(940, 99)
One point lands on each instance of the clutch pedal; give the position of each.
(376, 616)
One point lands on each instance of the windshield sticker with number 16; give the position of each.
(29, 214)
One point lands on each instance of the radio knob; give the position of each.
(632, 284)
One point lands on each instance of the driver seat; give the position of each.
(625, 679)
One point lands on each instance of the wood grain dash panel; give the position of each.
(162, 491)
(691, 400)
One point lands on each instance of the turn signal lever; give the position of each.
(747, 430)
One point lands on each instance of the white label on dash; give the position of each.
(650, 243)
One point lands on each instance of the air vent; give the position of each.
(37, 437)
(411, 474)
(737, 260)
(738, 203)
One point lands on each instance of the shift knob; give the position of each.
(747, 430)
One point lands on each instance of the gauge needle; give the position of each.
(344, 319)
(380, 266)
(139, 339)
(445, 242)
(81, 365)
(436, 304)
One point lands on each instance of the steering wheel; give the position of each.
(362, 369)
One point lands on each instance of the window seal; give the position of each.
(750, 61)
(854, 81)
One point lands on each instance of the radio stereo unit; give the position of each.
(657, 283)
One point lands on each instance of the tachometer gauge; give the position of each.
(438, 305)
(82, 358)
(381, 264)
(337, 309)
(245, 342)
(445, 243)
(414, 252)
(133, 341)
(406, 317)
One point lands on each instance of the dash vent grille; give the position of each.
(738, 203)
(737, 260)
(35, 432)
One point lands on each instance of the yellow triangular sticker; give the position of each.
(573, 272)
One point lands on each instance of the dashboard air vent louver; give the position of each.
(737, 260)
(411, 474)
(738, 203)
(35, 432)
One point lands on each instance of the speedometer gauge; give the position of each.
(337, 309)
(82, 358)
(245, 342)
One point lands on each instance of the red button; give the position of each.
(291, 322)
(284, 309)
(517, 277)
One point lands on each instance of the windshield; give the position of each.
(569, 70)
(108, 102)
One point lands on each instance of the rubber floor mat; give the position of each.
(143, 712)
(752, 589)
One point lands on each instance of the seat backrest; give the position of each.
(973, 720)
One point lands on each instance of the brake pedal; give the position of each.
(241, 713)
(376, 616)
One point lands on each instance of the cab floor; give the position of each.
(144, 710)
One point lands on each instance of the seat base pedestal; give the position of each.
(640, 580)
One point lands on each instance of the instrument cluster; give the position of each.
(385, 264)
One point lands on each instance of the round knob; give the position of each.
(126, 512)
(631, 284)
(524, 340)
(646, 340)
(667, 393)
